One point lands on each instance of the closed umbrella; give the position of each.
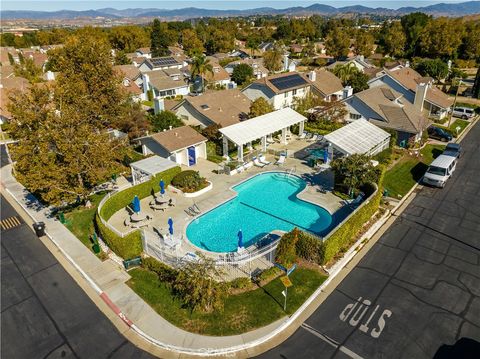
(240, 239)
(325, 156)
(170, 225)
(136, 204)
(162, 187)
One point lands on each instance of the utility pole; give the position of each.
(454, 102)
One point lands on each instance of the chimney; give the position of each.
(407, 63)
(170, 127)
(420, 94)
(158, 105)
(146, 84)
(313, 76)
(285, 62)
(50, 76)
(347, 91)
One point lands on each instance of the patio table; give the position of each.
(138, 217)
(162, 199)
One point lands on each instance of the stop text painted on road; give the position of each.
(362, 307)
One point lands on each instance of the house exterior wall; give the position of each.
(150, 146)
(355, 106)
(183, 90)
(287, 99)
(181, 156)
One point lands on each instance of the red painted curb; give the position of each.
(116, 309)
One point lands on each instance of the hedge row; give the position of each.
(127, 247)
(344, 236)
(124, 198)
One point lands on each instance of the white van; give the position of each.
(440, 171)
(463, 112)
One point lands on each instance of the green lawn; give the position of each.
(409, 170)
(242, 312)
(80, 220)
(458, 123)
(147, 103)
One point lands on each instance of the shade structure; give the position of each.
(170, 225)
(162, 187)
(261, 126)
(360, 137)
(136, 204)
(240, 239)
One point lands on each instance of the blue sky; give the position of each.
(215, 4)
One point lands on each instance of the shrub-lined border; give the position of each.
(130, 245)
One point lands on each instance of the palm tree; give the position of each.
(345, 72)
(200, 67)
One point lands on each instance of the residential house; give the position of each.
(359, 62)
(415, 88)
(144, 52)
(160, 63)
(259, 71)
(131, 80)
(328, 86)
(388, 109)
(266, 46)
(218, 76)
(223, 108)
(288, 64)
(239, 53)
(296, 48)
(164, 84)
(280, 90)
(182, 145)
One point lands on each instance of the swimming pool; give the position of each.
(264, 203)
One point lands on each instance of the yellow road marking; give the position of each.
(9, 223)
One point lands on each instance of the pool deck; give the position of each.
(221, 192)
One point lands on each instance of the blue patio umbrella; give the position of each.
(240, 239)
(170, 225)
(325, 156)
(162, 187)
(136, 204)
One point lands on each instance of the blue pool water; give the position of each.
(264, 203)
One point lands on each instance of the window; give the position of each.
(294, 92)
(355, 116)
(285, 95)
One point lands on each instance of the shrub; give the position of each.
(310, 248)
(124, 198)
(269, 274)
(286, 253)
(165, 273)
(384, 157)
(127, 247)
(240, 283)
(189, 181)
(341, 239)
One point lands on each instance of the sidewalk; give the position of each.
(108, 280)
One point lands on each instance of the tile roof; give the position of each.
(178, 138)
(409, 78)
(326, 82)
(143, 50)
(224, 108)
(129, 71)
(11, 83)
(161, 81)
(399, 115)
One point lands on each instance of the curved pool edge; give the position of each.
(234, 194)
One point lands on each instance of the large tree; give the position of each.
(353, 171)
(63, 148)
(337, 43)
(164, 120)
(159, 39)
(242, 73)
(476, 85)
(471, 42)
(128, 38)
(272, 59)
(192, 45)
(442, 37)
(201, 66)
(363, 43)
(413, 25)
(260, 107)
(437, 68)
(393, 39)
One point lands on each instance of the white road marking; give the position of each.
(332, 342)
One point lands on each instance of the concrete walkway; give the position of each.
(108, 279)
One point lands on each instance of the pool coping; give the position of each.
(235, 194)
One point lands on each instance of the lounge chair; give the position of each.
(270, 140)
(262, 159)
(193, 210)
(257, 163)
(281, 159)
(355, 201)
(302, 136)
(196, 208)
(240, 169)
(313, 138)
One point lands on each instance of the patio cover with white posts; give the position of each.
(260, 127)
(359, 136)
(145, 169)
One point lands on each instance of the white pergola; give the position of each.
(359, 136)
(260, 127)
(145, 169)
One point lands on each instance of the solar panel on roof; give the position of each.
(164, 61)
(286, 82)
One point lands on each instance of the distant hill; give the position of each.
(442, 9)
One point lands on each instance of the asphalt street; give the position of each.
(416, 293)
(44, 313)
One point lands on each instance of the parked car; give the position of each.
(440, 170)
(453, 149)
(463, 112)
(439, 134)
